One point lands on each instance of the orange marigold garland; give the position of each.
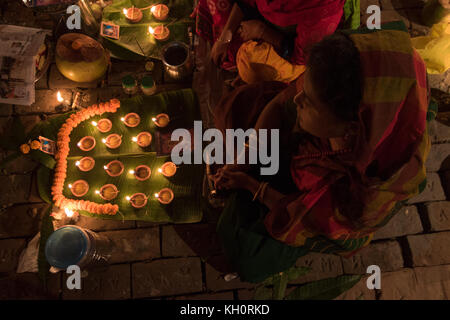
(61, 160)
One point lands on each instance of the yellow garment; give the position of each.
(435, 48)
(260, 62)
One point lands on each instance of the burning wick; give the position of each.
(131, 172)
(97, 191)
(94, 123)
(122, 119)
(135, 139)
(156, 195)
(69, 213)
(77, 163)
(128, 198)
(104, 140)
(59, 97)
(160, 170)
(70, 186)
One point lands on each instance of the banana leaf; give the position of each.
(44, 181)
(326, 289)
(135, 40)
(181, 106)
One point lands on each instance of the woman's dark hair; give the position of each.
(335, 71)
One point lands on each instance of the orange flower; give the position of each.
(24, 148)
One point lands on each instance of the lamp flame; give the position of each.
(156, 195)
(134, 139)
(125, 11)
(128, 198)
(97, 191)
(94, 123)
(70, 186)
(105, 167)
(104, 140)
(151, 30)
(153, 9)
(131, 172)
(159, 170)
(77, 163)
(122, 119)
(69, 213)
(59, 97)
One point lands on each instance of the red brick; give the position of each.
(10, 251)
(45, 102)
(167, 277)
(216, 268)
(387, 255)
(96, 224)
(190, 240)
(438, 153)
(432, 192)
(108, 283)
(28, 286)
(423, 283)
(322, 266)
(358, 292)
(405, 222)
(439, 215)
(134, 245)
(21, 220)
(430, 249)
(401, 4)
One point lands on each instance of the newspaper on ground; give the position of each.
(18, 48)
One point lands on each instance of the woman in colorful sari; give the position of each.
(359, 144)
(266, 39)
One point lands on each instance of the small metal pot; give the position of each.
(177, 60)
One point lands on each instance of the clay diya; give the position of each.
(165, 196)
(160, 11)
(79, 188)
(107, 192)
(160, 33)
(168, 169)
(142, 172)
(143, 139)
(131, 120)
(161, 120)
(86, 143)
(114, 168)
(133, 15)
(103, 125)
(113, 141)
(138, 200)
(85, 164)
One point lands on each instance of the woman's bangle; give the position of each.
(263, 191)
(258, 191)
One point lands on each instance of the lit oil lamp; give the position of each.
(133, 15)
(165, 196)
(131, 120)
(103, 125)
(160, 33)
(108, 192)
(143, 139)
(168, 169)
(79, 188)
(113, 141)
(114, 168)
(137, 200)
(141, 172)
(85, 164)
(86, 143)
(160, 11)
(161, 120)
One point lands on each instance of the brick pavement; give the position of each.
(164, 261)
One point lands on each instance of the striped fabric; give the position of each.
(392, 139)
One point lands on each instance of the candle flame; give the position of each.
(97, 191)
(70, 186)
(125, 11)
(151, 30)
(159, 170)
(94, 123)
(134, 139)
(128, 198)
(122, 119)
(77, 163)
(154, 119)
(156, 195)
(131, 171)
(69, 213)
(104, 140)
(79, 144)
(153, 9)
(59, 97)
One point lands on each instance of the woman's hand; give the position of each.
(252, 30)
(219, 52)
(228, 179)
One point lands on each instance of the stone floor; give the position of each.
(164, 261)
